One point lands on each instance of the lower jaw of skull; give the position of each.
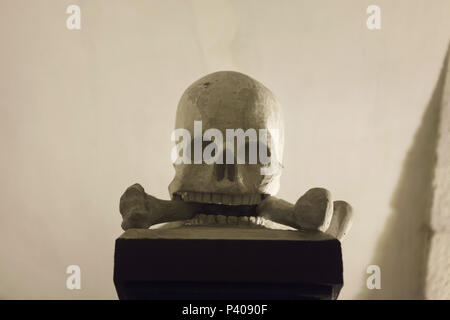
(231, 221)
(226, 211)
(225, 221)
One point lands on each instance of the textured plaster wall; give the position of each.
(84, 114)
(438, 273)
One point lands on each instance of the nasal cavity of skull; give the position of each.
(225, 171)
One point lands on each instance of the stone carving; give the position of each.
(235, 193)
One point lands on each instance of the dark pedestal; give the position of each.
(201, 262)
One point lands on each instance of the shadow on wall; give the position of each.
(402, 251)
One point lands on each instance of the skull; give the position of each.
(228, 100)
(236, 192)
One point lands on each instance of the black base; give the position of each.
(152, 264)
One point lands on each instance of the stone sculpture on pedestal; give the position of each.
(228, 161)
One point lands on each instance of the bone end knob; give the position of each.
(341, 221)
(313, 210)
(132, 208)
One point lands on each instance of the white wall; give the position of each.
(85, 114)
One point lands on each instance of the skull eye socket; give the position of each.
(264, 154)
(205, 156)
(253, 152)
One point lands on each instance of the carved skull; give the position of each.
(232, 192)
(228, 100)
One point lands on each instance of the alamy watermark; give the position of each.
(374, 280)
(73, 281)
(250, 144)
(73, 22)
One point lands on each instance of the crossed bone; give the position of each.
(314, 211)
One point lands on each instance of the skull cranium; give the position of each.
(228, 100)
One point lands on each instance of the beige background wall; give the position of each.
(84, 114)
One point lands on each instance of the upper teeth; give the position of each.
(222, 198)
